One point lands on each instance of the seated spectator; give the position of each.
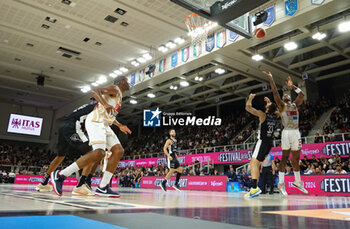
(339, 170)
(318, 139)
(318, 171)
(231, 175)
(330, 170)
(216, 172)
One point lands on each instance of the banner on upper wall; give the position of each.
(202, 183)
(34, 179)
(322, 185)
(185, 54)
(317, 2)
(232, 36)
(221, 38)
(132, 79)
(197, 49)
(291, 7)
(271, 16)
(210, 43)
(244, 156)
(162, 65)
(141, 75)
(174, 60)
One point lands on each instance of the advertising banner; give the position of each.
(203, 183)
(244, 156)
(323, 185)
(22, 124)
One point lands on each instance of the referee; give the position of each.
(267, 172)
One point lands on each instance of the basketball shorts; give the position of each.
(261, 149)
(100, 134)
(291, 140)
(173, 164)
(69, 141)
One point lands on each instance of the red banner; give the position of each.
(34, 179)
(203, 183)
(323, 185)
(244, 156)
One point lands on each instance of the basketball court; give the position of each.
(190, 55)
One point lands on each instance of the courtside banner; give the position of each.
(322, 185)
(243, 156)
(34, 179)
(202, 183)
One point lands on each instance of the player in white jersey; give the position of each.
(291, 139)
(101, 138)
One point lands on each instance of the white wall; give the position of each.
(10, 108)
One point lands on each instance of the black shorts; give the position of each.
(69, 141)
(173, 164)
(261, 149)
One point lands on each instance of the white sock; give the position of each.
(106, 179)
(70, 169)
(297, 177)
(281, 177)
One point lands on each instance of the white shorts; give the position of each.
(291, 140)
(101, 135)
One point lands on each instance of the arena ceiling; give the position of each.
(27, 49)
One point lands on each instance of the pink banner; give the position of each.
(244, 156)
(203, 183)
(34, 179)
(322, 185)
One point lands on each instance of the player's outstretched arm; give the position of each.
(299, 100)
(276, 95)
(254, 111)
(123, 128)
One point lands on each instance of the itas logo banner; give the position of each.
(22, 124)
(151, 117)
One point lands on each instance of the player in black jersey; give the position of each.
(267, 125)
(72, 140)
(170, 150)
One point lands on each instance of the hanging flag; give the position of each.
(132, 80)
(232, 36)
(197, 49)
(162, 64)
(151, 74)
(271, 16)
(221, 38)
(210, 43)
(291, 7)
(185, 53)
(174, 60)
(317, 2)
(141, 75)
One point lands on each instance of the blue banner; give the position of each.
(271, 16)
(291, 7)
(232, 36)
(132, 79)
(174, 60)
(210, 43)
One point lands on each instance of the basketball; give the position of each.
(260, 33)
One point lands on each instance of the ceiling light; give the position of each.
(113, 75)
(101, 80)
(220, 71)
(6, 41)
(257, 57)
(319, 36)
(175, 88)
(184, 84)
(133, 101)
(179, 40)
(162, 48)
(86, 89)
(344, 26)
(291, 46)
(141, 60)
(135, 63)
(117, 72)
(197, 78)
(170, 44)
(171, 87)
(94, 84)
(151, 95)
(123, 69)
(147, 56)
(200, 78)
